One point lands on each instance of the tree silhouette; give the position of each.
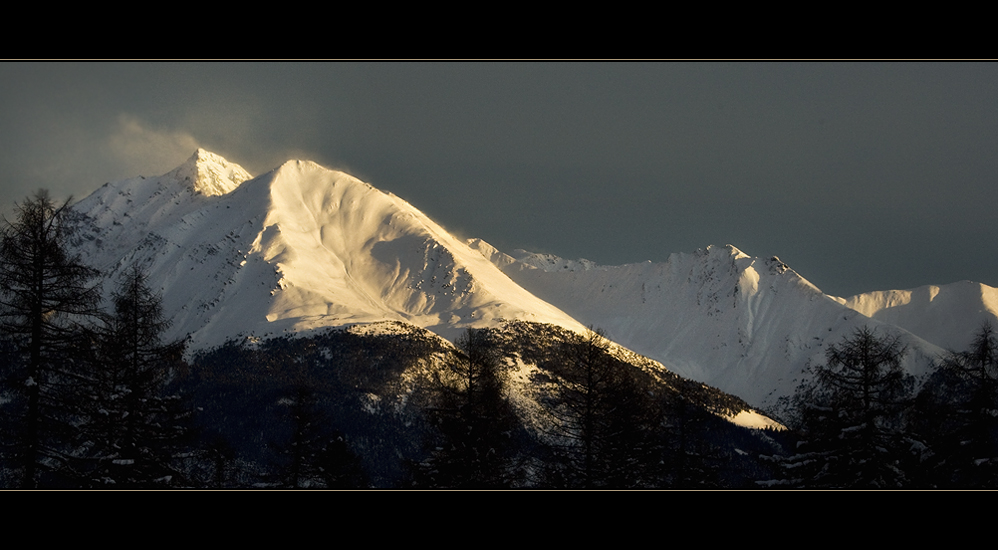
(605, 424)
(44, 295)
(474, 446)
(133, 425)
(957, 411)
(852, 416)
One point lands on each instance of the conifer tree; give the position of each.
(133, 424)
(605, 425)
(852, 417)
(45, 295)
(477, 425)
(581, 416)
(958, 413)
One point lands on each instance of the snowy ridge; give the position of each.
(745, 325)
(550, 262)
(297, 248)
(946, 315)
(522, 259)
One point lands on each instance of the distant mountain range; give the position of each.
(303, 247)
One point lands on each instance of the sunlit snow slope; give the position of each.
(946, 315)
(296, 248)
(745, 325)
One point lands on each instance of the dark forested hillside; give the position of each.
(333, 392)
(401, 408)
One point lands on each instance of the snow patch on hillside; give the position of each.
(755, 420)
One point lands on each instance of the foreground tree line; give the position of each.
(93, 398)
(863, 422)
(83, 389)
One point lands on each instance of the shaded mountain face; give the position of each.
(297, 248)
(748, 326)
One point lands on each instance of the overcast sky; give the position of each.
(860, 176)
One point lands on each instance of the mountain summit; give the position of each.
(209, 174)
(299, 247)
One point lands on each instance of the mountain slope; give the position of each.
(947, 315)
(296, 248)
(745, 325)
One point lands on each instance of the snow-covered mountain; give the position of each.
(745, 325)
(296, 248)
(303, 247)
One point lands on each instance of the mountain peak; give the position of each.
(209, 174)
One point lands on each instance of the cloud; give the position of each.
(148, 151)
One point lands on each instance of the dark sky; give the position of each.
(861, 176)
